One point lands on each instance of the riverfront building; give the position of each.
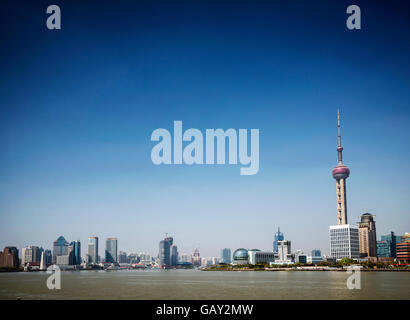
(344, 242)
(76, 251)
(111, 250)
(196, 258)
(278, 237)
(403, 249)
(174, 255)
(284, 255)
(164, 254)
(367, 236)
(9, 258)
(30, 254)
(386, 247)
(226, 255)
(93, 250)
(60, 248)
(241, 256)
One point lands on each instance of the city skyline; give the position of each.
(76, 145)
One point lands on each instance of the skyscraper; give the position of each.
(367, 236)
(343, 238)
(403, 249)
(278, 237)
(174, 255)
(9, 258)
(93, 249)
(170, 240)
(196, 258)
(164, 254)
(30, 254)
(226, 255)
(122, 257)
(111, 249)
(48, 256)
(60, 248)
(340, 174)
(76, 252)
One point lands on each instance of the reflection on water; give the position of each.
(193, 284)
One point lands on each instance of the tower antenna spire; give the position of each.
(339, 138)
(338, 127)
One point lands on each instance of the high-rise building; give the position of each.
(174, 255)
(367, 236)
(196, 258)
(164, 254)
(344, 241)
(9, 258)
(403, 249)
(284, 252)
(48, 257)
(75, 252)
(122, 257)
(111, 249)
(60, 248)
(389, 240)
(340, 174)
(278, 237)
(30, 254)
(93, 249)
(226, 255)
(71, 253)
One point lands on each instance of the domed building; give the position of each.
(240, 256)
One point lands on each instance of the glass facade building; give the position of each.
(278, 237)
(76, 252)
(111, 250)
(316, 253)
(384, 249)
(60, 248)
(392, 240)
(226, 255)
(174, 255)
(93, 249)
(164, 253)
(241, 256)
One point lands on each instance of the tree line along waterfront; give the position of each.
(340, 265)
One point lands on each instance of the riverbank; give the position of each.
(308, 269)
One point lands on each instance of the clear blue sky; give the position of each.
(78, 106)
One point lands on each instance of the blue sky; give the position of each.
(78, 106)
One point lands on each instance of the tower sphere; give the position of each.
(340, 172)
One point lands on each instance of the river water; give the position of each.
(195, 284)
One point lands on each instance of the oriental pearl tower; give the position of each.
(340, 173)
